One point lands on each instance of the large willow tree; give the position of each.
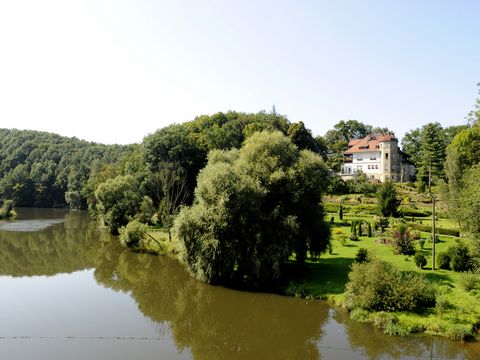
(253, 209)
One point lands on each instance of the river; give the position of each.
(68, 291)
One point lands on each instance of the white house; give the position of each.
(379, 158)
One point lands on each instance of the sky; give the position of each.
(113, 71)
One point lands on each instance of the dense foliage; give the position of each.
(39, 169)
(380, 286)
(387, 199)
(426, 147)
(188, 144)
(402, 240)
(132, 234)
(253, 209)
(6, 211)
(118, 200)
(336, 140)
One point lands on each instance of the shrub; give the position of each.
(443, 260)
(402, 241)
(362, 256)
(460, 332)
(416, 235)
(380, 286)
(354, 237)
(384, 319)
(364, 209)
(469, 281)
(369, 230)
(330, 208)
(132, 234)
(405, 210)
(420, 260)
(337, 231)
(6, 211)
(421, 242)
(460, 258)
(441, 231)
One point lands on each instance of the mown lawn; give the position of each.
(457, 314)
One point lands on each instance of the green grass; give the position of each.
(457, 314)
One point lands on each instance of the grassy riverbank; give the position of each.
(457, 311)
(456, 314)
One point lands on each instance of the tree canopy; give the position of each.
(253, 208)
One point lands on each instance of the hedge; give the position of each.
(441, 231)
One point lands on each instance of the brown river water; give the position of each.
(68, 291)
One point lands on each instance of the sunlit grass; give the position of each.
(457, 313)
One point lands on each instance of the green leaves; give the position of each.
(253, 209)
(118, 200)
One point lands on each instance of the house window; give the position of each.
(360, 158)
(369, 167)
(386, 155)
(373, 157)
(376, 166)
(372, 177)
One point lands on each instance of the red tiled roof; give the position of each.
(368, 143)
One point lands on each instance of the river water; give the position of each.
(68, 291)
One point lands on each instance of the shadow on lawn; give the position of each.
(321, 278)
(437, 277)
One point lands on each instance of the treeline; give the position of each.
(39, 169)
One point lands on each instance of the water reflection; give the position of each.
(211, 322)
(215, 323)
(58, 242)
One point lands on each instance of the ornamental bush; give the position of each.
(402, 240)
(420, 260)
(443, 260)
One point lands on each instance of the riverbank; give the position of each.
(456, 314)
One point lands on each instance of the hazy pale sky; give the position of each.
(114, 71)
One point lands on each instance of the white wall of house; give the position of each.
(386, 163)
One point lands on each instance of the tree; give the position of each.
(173, 183)
(411, 144)
(322, 147)
(340, 213)
(387, 199)
(462, 153)
(253, 209)
(118, 200)
(302, 137)
(468, 209)
(432, 153)
(473, 116)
